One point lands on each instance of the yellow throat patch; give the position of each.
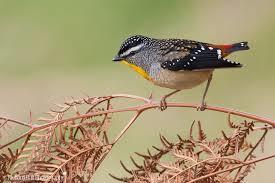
(138, 70)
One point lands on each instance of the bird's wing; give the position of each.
(197, 56)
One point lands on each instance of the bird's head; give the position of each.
(131, 48)
(135, 52)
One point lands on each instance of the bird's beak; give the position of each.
(117, 58)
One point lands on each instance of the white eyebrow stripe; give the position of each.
(135, 48)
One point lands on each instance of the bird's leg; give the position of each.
(150, 96)
(203, 103)
(163, 104)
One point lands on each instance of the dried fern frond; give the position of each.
(68, 148)
(198, 160)
(70, 143)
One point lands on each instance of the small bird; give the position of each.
(177, 64)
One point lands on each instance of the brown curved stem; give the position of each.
(149, 104)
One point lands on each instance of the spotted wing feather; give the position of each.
(200, 58)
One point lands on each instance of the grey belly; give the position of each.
(179, 80)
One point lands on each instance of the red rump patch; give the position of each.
(224, 47)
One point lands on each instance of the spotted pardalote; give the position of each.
(176, 63)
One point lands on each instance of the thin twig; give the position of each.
(232, 168)
(15, 121)
(126, 127)
(250, 153)
(203, 161)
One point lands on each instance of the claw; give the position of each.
(202, 107)
(163, 104)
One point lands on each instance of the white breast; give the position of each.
(179, 80)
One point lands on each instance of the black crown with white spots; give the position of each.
(132, 42)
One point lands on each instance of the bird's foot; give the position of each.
(202, 107)
(163, 104)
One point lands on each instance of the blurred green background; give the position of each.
(50, 50)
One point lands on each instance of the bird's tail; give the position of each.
(229, 48)
(237, 47)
